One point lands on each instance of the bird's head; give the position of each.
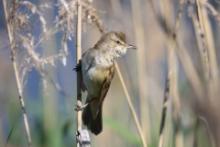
(114, 42)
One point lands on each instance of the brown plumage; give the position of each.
(97, 69)
(94, 121)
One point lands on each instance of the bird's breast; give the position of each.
(94, 78)
(98, 74)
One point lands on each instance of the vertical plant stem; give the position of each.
(201, 46)
(173, 76)
(213, 80)
(205, 24)
(204, 122)
(183, 55)
(173, 66)
(131, 107)
(1, 133)
(78, 57)
(164, 112)
(196, 134)
(212, 59)
(141, 64)
(174, 92)
(17, 77)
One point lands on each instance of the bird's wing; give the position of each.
(96, 102)
(106, 84)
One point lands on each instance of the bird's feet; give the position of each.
(80, 108)
(83, 138)
(77, 68)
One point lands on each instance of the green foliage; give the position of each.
(121, 129)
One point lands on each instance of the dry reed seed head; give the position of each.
(66, 17)
(68, 10)
(22, 21)
(19, 19)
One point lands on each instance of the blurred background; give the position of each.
(174, 74)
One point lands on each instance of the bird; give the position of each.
(97, 68)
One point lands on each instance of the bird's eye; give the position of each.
(118, 42)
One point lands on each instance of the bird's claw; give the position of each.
(77, 68)
(83, 138)
(80, 108)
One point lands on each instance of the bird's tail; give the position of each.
(93, 124)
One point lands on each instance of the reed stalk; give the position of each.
(78, 57)
(9, 25)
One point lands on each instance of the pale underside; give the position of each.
(96, 70)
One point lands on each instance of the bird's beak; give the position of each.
(131, 47)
